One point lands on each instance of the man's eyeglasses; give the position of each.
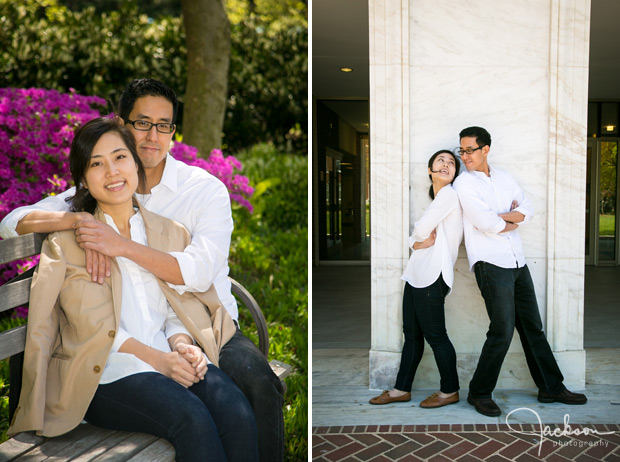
(145, 126)
(469, 150)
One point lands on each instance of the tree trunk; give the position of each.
(207, 33)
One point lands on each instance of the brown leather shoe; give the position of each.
(437, 401)
(485, 406)
(385, 398)
(565, 396)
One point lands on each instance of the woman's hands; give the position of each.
(193, 355)
(185, 364)
(428, 242)
(175, 366)
(189, 354)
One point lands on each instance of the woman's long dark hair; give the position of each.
(86, 137)
(457, 167)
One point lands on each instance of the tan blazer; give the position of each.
(72, 322)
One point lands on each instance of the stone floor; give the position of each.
(347, 428)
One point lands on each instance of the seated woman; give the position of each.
(130, 354)
(429, 276)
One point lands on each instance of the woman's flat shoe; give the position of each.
(437, 401)
(385, 398)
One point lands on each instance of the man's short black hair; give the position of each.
(145, 87)
(483, 138)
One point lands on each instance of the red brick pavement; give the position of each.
(466, 443)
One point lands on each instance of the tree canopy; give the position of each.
(98, 50)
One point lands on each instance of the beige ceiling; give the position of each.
(340, 39)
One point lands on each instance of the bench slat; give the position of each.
(57, 448)
(19, 445)
(12, 341)
(160, 451)
(281, 369)
(14, 294)
(85, 439)
(20, 247)
(126, 449)
(106, 442)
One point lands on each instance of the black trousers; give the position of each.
(424, 318)
(243, 362)
(511, 303)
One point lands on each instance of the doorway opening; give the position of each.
(602, 185)
(343, 162)
(602, 236)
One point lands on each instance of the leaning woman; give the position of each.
(130, 354)
(428, 279)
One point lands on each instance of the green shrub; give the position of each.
(45, 45)
(269, 256)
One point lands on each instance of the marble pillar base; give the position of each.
(383, 366)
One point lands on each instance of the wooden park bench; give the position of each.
(86, 442)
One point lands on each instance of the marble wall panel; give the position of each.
(509, 103)
(484, 33)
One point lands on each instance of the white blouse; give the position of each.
(425, 265)
(145, 313)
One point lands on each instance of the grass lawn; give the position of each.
(607, 225)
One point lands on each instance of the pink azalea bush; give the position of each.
(222, 167)
(36, 130)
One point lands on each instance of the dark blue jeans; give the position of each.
(424, 318)
(210, 421)
(511, 302)
(243, 362)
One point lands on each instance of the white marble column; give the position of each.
(568, 102)
(389, 184)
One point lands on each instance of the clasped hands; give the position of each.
(185, 364)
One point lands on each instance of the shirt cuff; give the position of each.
(174, 328)
(188, 271)
(500, 226)
(526, 216)
(9, 223)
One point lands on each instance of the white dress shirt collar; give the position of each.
(169, 176)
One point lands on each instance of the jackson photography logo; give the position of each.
(566, 431)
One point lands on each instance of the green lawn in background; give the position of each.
(607, 225)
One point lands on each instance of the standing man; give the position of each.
(493, 207)
(199, 201)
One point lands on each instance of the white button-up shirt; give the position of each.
(483, 198)
(425, 265)
(191, 196)
(145, 316)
